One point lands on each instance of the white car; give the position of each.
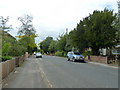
(38, 55)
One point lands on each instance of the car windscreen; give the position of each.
(76, 53)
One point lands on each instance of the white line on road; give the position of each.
(44, 75)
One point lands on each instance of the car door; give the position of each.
(71, 55)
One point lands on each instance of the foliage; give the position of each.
(62, 43)
(5, 49)
(4, 58)
(53, 46)
(87, 53)
(59, 53)
(95, 31)
(27, 33)
(28, 42)
(44, 45)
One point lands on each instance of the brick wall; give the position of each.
(100, 59)
(8, 66)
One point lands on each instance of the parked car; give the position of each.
(75, 56)
(38, 55)
(34, 53)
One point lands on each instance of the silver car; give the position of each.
(75, 56)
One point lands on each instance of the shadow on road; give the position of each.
(80, 61)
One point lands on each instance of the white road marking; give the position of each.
(44, 76)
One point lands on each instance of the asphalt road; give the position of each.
(65, 74)
(57, 72)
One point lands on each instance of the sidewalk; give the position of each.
(26, 76)
(106, 65)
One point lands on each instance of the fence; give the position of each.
(9, 65)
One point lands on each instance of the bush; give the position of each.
(5, 58)
(60, 53)
(65, 54)
(87, 53)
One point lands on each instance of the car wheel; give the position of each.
(68, 59)
(73, 60)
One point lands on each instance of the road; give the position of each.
(57, 72)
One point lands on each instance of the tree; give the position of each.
(62, 43)
(6, 38)
(78, 37)
(28, 42)
(100, 30)
(27, 26)
(4, 27)
(53, 46)
(27, 33)
(44, 45)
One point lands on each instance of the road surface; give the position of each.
(57, 72)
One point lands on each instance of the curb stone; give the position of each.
(103, 65)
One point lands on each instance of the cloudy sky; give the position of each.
(52, 17)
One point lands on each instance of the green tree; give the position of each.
(44, 45)
(28, 42)
(53, 46)
(96, 31)
(27, 33)
(100, 30)
(62, 43)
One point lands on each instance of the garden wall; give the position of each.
(9, 65)
(103, 59)
(99, 59)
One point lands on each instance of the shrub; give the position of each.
(87, 53)
(65, 54)
(5, 58)
(59, 53)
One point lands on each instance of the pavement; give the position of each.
(57, 72)
(106, 65)
(26, 76)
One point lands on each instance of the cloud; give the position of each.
(52, 17)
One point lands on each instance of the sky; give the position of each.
(52, 17)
